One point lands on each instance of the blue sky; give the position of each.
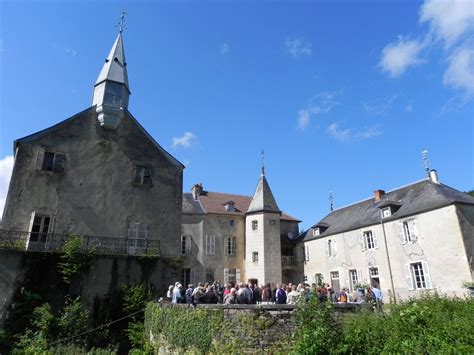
(343, 96)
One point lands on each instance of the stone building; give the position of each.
(235, 238)
(414, 238)
(99, 173)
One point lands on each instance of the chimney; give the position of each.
(434, 176)
(196, 190)
(378, 195)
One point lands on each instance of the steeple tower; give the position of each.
(263, 244)
(111, 90)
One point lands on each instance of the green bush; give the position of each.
(74, 258)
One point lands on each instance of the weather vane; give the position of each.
(121, 23)
(426, 162)
(331, 201)
(263, 163)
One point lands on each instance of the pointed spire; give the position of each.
(115, 66)
(263, 200)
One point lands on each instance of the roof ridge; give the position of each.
(226, 193)
(386, 192)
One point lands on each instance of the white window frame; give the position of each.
(368, 240)
(316, 232)
(408, 231)
(306, 253)
(386, 212)
(58, 162)
(41, 234)
(418, 276)
(230, 246)
(331, 248)
(210, 244)
(186, 242)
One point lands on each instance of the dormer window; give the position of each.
(316, 232)
(319, 228)
(230, 206)
(386, 212)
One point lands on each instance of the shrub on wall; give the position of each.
(74, 258)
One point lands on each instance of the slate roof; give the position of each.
(213, 202)
(415, 198)
(115, 66)
(263, 200)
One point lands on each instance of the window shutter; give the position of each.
(426, 273)
(133, 230)
(348, 282)
(409, 277)
(189, 242)
(327, 248)
(334, 248)
(401, 233)
(376, 242)
(39, 158)
(213, 244)
(362, 241)
(306, 257)
(58, 164)
(226, 276)
(413, 231)
(237, 275)
(359, 276)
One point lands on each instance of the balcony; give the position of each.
(288, 261)
(54, 242)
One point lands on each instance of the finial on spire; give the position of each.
(331, 201)
(426, 161)
(121, 23)
(263, 162)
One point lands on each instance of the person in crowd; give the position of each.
(169, 294)
(189, 295)
(198, 293)
(293, 296)
(176, 293)
(227, 288)
(342, 296)
(378, 297)
(280, 295)
(266, 294)
(257, 294)
(231, 298)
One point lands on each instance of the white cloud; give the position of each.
(460, 72)
(224, 48)
(298, 47)
(398, 56)
(70, 51)
(185, 141)
(449, 20)
(317, 105)
(350, 134)
(6, 167)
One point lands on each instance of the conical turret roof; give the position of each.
(263, 200)
(115, 67)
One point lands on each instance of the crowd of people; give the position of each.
(240, 293)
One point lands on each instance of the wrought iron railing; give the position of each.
(54, 242)
(288, 260)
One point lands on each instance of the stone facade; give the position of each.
(422, 249)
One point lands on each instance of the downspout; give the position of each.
(388, 260)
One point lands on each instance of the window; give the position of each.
(187, 277)
(254, 225)
(142, 175)
(232, 276)
(53, 161)
(335, 280)
(137, 235)
(210, 244)
(386, 212)
(318, 279)
(408, 232)
(255, 256)
(316, 232)
(230, 246)
(186, 241)
(210, 275)
(368, 240)
(231, 223)
(331, 248)
(39, 228)
(306, 253)
(418, 276)
(354, 278)
(272, 222)
(374, 276)
(305, 278)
